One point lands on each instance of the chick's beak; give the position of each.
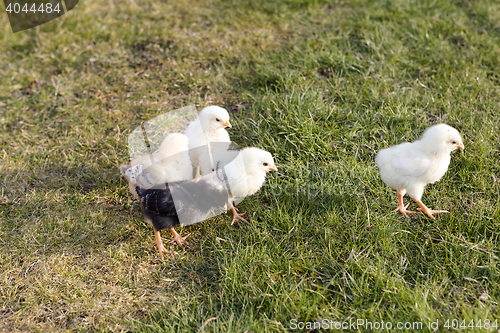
(461, 146)
(227, 124)
(273, 168)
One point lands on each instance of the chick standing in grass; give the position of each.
(170, 163)
(246, 174)
(209, 126)
(183, 202)
(408, 167)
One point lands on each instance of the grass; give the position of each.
(322, 85)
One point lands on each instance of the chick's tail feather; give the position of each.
(140, 191)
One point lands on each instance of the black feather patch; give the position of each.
(183, 202)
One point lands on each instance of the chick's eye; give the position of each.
(217, 119)
(454, 142)
(265, 163)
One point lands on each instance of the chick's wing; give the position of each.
(410, 161)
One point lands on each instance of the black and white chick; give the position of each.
(183, 203)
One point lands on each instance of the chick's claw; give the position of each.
(429, 212)
(180, 240)
(239, 217)
(402, 210)
(162, 249)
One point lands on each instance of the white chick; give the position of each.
(170, 163)
(174, 156)
(408, 167)
(209, 126)
(246, 174)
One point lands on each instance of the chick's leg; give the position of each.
(236, 216)
(401, 207)
(197, 176)
(160, 246)
(428, 211)
(178, 239)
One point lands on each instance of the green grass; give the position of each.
(323, 86)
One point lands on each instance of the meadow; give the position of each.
(323, 86)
